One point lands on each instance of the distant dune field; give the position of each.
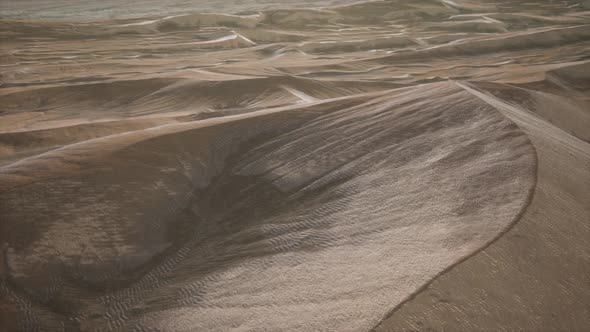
(388, 165)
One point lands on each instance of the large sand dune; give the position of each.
(392, 165)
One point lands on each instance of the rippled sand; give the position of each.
(388, 165)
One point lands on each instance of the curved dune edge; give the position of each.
(391, 146)
(518, 279)
(511, 225)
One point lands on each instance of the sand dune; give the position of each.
(272, 204)
(246, 165)
(535, 265)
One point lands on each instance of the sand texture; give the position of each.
(261, 166)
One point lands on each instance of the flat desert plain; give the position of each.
(249, 165)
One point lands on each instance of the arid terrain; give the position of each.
(250, 165)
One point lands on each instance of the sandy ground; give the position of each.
(387, 165)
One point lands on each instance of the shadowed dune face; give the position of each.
(251, 166)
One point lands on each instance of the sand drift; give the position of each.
(288, 169)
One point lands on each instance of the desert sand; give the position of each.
(254, 165)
